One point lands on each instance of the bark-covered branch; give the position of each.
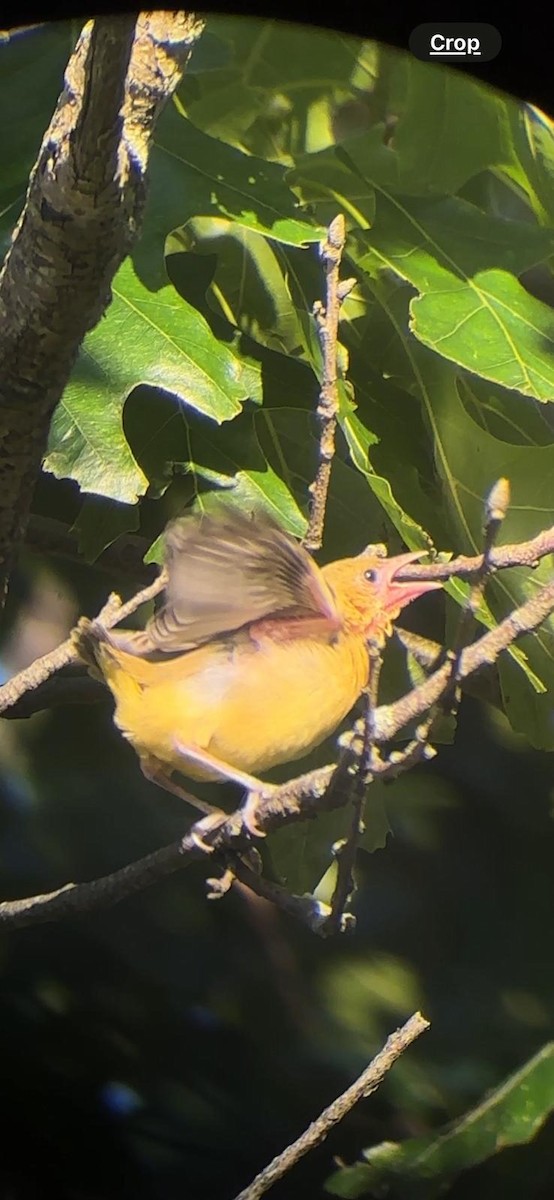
(366, 1083)
(42, 668)
(302, 798)
(518, 554)
(327, 322)
(465, 566)
(81, 216)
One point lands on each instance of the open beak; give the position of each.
(398, 593)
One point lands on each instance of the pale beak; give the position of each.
(398, 593)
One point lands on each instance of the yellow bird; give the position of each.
(256, 655)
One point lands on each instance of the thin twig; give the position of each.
(309, 911)
(327, 321)
(419, 749)
(325, 788)
(365, 1085)
(517, 554)
(496, 507)
(339, 919)
(77, 898)
(41, 669)
(425, 651)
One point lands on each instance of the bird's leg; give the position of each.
(255, 788)
(156, 772)
(216, 766)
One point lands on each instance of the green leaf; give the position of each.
(354, 517)
(537, 156)
(250, 286)
(422, 1168)
(254, 491)
(87, 442)
(435, 110)
(449, 127)
(302, 854)
(360, 440)
(493, 327)
(278, 89)
(194, 175)
(433, 243)
(100, 522)
(470, 309)
(156, 339)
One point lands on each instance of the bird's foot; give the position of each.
(207, 825)
(218, 888)
(250, 808)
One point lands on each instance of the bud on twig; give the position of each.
(497, 501)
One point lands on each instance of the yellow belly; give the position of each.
(249, 707)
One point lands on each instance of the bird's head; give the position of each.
(368, 593)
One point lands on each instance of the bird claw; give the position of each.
(249, 809)
(212, 821)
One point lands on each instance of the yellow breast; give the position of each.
(251, 707)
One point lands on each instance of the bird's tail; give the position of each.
(89, 640)
(106, 660)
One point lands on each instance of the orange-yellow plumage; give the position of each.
(257, 654)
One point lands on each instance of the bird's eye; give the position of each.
(371, 575)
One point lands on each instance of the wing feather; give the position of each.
(228, 570)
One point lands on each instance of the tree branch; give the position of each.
(81, 216)
(327, 321)
(77, 898)
(42, 668)
(518, 554)
(365, 1085)
(325, 788)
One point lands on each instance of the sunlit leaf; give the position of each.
(360, 440)
(154, 338)
(496, 329)
(194, 175)
(471, 308)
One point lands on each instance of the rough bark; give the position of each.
(81, 216)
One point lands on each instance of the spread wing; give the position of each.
(226, 571)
